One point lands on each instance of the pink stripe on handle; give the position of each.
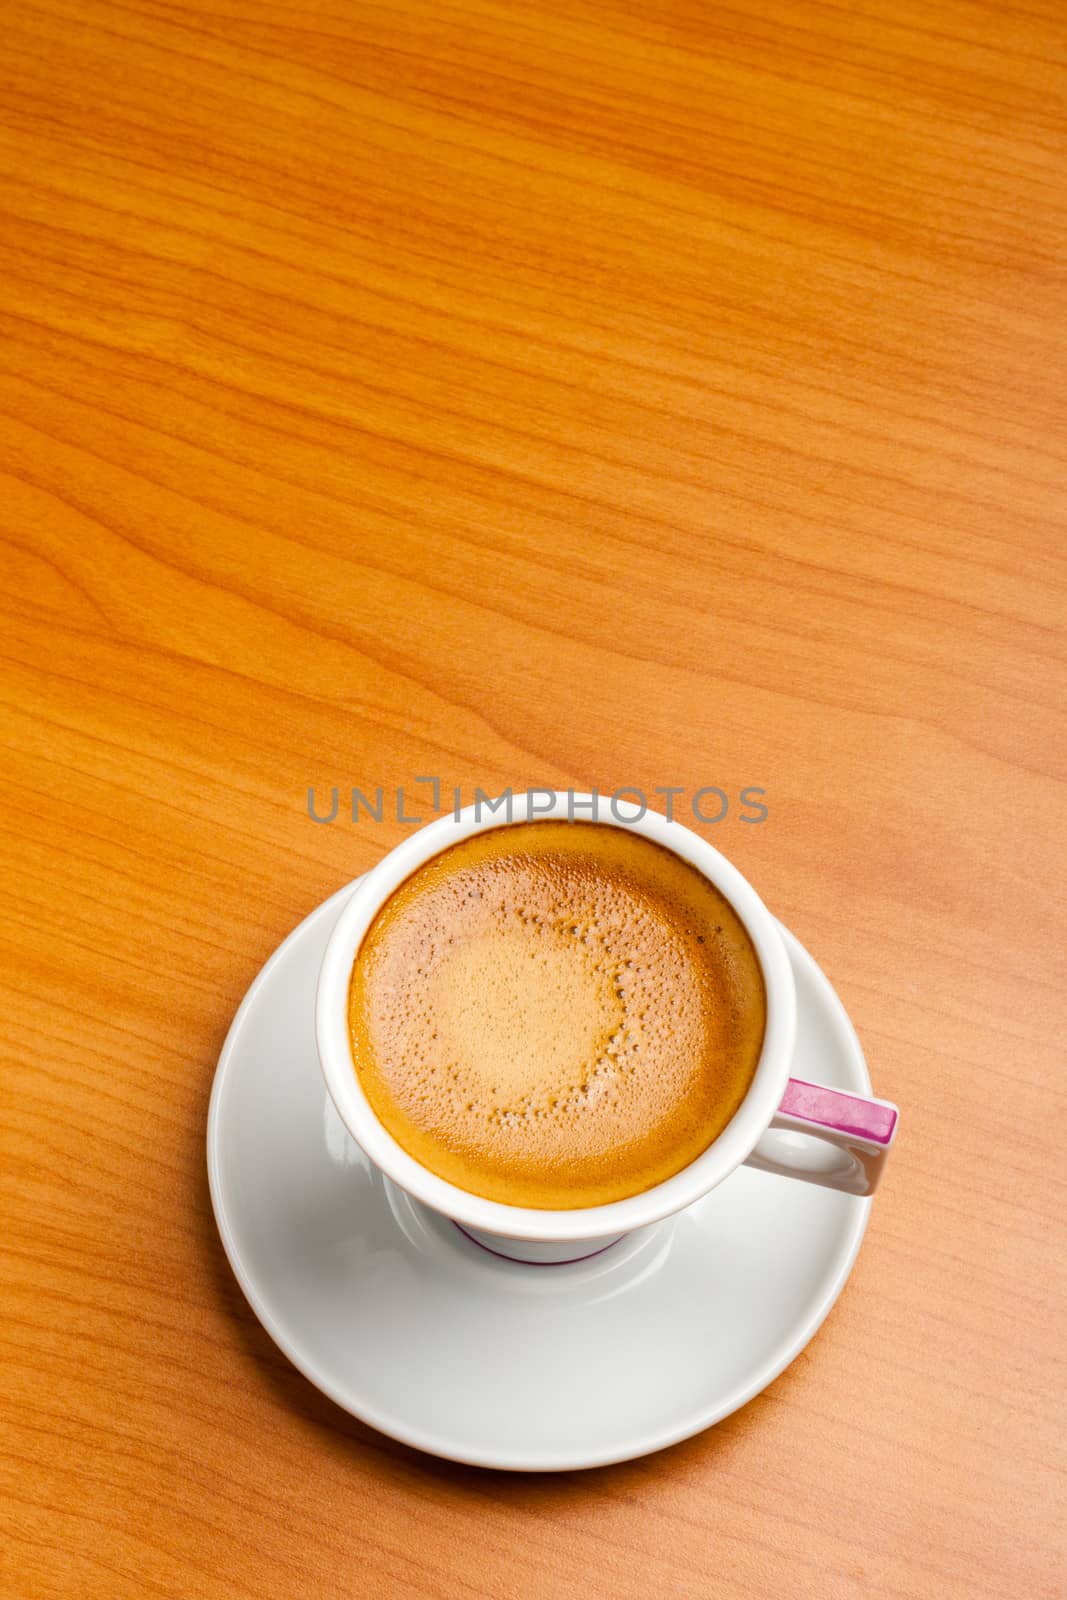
(841, 1112)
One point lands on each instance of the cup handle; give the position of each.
(852, 1133)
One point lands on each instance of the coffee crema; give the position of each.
(556, 1014)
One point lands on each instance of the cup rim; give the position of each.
(726, 1152)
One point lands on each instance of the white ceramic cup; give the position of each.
(783, 1125)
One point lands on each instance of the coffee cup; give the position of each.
(795, 1128)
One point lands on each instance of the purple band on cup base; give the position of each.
(839, 1112)
(523, 1262)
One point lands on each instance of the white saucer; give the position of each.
(412, 1327)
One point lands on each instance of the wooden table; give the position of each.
(569, 393)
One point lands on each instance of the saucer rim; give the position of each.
(451, 1449)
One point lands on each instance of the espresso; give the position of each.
(556, 1014)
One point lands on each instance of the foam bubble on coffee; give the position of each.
(556, 1015)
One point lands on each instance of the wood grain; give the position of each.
(574, 392)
